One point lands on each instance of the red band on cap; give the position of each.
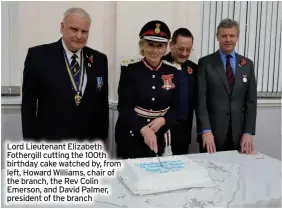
(152, 32)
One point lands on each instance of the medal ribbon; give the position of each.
(77, 87)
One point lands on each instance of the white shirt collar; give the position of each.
(69, 53)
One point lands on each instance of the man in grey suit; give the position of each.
(227, 95)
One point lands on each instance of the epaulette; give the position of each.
(129, 62)
(173, 64)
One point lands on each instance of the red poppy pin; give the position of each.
(91, 59)
(242, 62)
(190, 70)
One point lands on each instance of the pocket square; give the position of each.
(99, 82)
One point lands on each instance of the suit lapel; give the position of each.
(218, 65)
(238, 73)
(61, 70)
(90, 62)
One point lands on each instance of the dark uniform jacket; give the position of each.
(48, 106)
(150, 89)
(188, 100)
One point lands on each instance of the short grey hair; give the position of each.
(76, 10)
(228, 23)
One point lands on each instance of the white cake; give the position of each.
(146, 175)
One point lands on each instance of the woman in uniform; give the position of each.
(148, 91)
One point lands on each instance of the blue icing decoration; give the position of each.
(168, 166)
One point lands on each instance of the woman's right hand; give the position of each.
(150, 138)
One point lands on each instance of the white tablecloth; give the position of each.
(259, 184)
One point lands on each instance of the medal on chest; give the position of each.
(77, 98)
(168, 84)
(245, 79)
(77, 83)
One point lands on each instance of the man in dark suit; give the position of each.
(181, 47)
(227, 95)
(65, 86)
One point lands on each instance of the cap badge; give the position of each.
(157, 30)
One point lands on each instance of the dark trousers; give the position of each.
(180, 138)
(228, 144)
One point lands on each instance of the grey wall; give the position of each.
(267, 139)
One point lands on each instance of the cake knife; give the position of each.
(159, 159)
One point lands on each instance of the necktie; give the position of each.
(75, 69)
(229, 72)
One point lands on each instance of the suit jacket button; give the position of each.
(227, 113)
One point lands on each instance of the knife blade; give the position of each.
(159, 159)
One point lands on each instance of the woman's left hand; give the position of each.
(156, 124)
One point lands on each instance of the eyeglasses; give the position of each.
(182, 49)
